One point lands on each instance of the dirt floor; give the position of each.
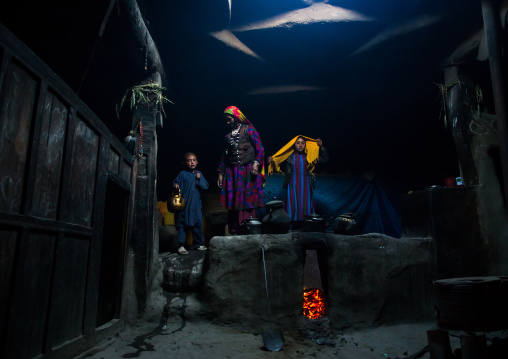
(201, 339)
(189, 335)
(185, 332)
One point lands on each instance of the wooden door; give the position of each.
(56, 158)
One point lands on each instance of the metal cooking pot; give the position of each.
(275, 204)
(251, 226)
(176, 202)
(314, 223)
(476, 304)
(344, 224)
(276, 220)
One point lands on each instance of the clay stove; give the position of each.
(313, 295)
(367, 279)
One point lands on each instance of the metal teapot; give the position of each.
(251, 226)
(176, 202)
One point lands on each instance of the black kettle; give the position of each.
(314, 222)
(344, 224)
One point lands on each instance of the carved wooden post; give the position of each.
(145, 234)
(457, 120)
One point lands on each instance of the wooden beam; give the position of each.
(153, 63)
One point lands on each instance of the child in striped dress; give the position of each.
(297, 160)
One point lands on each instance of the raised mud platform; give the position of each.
(368, 280)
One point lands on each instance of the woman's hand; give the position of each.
(176, 186)
(219, 180)
(254, 169)
(269, 159)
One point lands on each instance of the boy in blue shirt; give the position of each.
(190, 181)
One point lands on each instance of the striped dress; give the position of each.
(299, 199)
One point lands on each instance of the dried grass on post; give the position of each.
(149, 94)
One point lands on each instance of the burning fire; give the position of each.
(313, 303)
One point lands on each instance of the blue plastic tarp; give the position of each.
(374, 210)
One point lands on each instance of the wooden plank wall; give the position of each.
(56, 158)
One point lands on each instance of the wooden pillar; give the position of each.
(491, 22)
(145, 234)
(152, 58)
(457, 121)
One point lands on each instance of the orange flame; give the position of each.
(313, 303)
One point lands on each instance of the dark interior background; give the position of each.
(378, 112)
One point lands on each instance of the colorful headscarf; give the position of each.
(236, 113)
(311, 149)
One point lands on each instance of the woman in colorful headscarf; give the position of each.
(240, 172)
(298, 159)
